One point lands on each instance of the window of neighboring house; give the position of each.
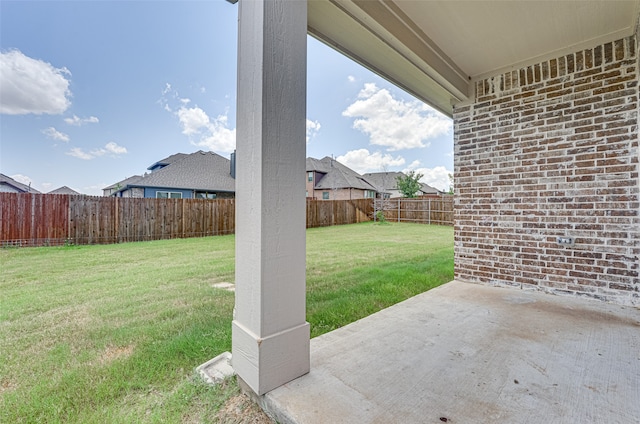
(369, 194)
(310, 176)
(325, 195)
(168, 195)
(205, 195)
(306, 193)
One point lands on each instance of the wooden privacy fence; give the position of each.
(28, 219)
(46, 220)
(33, 219)
(425, 210)
(324, 213)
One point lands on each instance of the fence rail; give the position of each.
(324, 213)
(28, 219)
(425, 210)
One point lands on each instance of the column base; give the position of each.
(269, 362)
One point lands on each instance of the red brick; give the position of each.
(558, 154)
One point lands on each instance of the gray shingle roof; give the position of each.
(336, 175)
(387, 181)
(127, 181)
(167, 161)
(63, 190)
(205, 171)
(6, 180)
(427, 189)
(384, 181)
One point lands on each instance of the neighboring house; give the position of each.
(118, 188)
(63, 190)
(167, 161)
(9, 185)
(387, 184)
(203, 175)
(328, 179)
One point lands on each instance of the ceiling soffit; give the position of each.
(379, 45)
(484, 38)
(434, 49)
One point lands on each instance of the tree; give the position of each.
(409, 185)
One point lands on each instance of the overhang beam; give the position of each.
(404, 55)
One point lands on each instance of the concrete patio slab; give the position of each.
(217, 369)
(465, 353)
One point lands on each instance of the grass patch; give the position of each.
(113, 333)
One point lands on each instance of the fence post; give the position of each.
(375, 210)
(69, 221)
(398, 209)
(116, 214)
(429, 213)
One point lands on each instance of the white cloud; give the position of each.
(21, 179)
(414, 164)
(312, 129)
(110, 148)
(351, 78)
(77, 152)
(55, 134)
(437, 177)
(218, 137)
(193, 120)
(76, 121)
(167, 94)
(393, 123)
(362, 161)
(32, 86)
(214, 134)
(202, 130)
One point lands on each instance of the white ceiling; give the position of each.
(434, 49)
(484, 36)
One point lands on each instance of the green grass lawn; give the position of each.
(95, 334)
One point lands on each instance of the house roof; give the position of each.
(427, 189)
(167, 161)
(438, 49)
(336, 175)
(204, 171)
(63, 190)
(384, 181)
(387, 181)
(17, 186)
(122, 184)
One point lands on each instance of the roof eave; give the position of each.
(403, 55)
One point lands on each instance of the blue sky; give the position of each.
(92, 92)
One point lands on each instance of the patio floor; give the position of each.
(465, 353)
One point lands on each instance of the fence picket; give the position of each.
(28, 219)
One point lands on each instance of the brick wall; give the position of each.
(552, 150)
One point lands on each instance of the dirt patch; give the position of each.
(6, 385)
(111, 353)
(239, 409)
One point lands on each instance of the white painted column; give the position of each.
(270, 332)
